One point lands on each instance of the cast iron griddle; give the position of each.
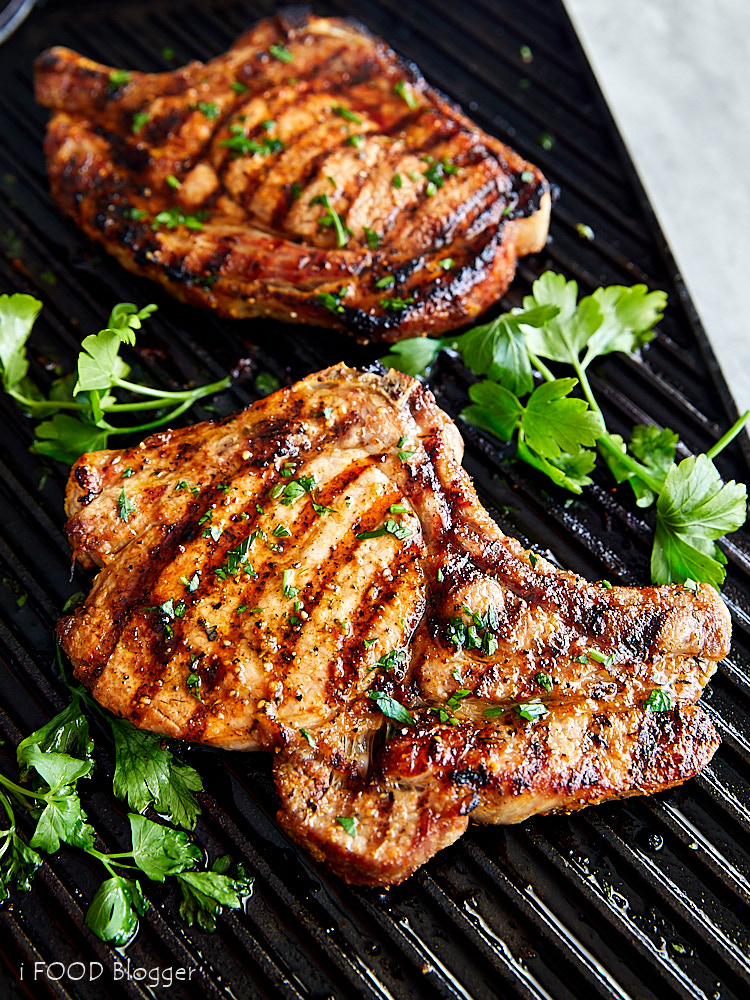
(643, 899)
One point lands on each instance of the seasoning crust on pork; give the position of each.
(308, 174)
(316, 576)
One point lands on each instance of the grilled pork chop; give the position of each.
(308, 174)
(316, 576)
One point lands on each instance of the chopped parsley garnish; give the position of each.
(397, 182)
(387, 282)
(531, 710)
(544, 681)
(403, 453)
(287, 588)
(207, 108)
(293, 490)
(139, 120)
(373, 239)
(212, 632)
(134, 213)
(395, 660)
(446, 263)
(389, 527)
(658, 701)
(332, 218)
(404, 90)
(184, 485)
(126, 473)
(357, 141)
(478, 634)
(607, 659)
(391, 708)
(395, 304)
(533, 559)
(193, 583)
(118, 78)
(349, 823)
(241, 144)
(281, 531)
(193, 682)
(236, 559)
(124, 506)
(398, 508)
(174, 182)
(173, 217)
(347, 114)
(332, 301)
(436, 174)
(238, 87)
(306, 736)
(281, 52)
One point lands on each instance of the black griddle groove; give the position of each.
(557, 909)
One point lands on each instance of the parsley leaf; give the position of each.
(413, 356)
(204, 894)
(658, 701)
(18, 862)
(17, 316)
(349, 823)
(553, 424)
(693, 509)
(655, 450)
(160, 850)
(67, 733)
(391, 708)
(531, 710)
(63, 817)
(113, 913)
(498, 349)
(78, 412)
(147, 774)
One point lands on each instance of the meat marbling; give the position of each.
(330, 186)
(279, 579)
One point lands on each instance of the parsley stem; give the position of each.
(144, 390)
(159, 422)
(633, 464)
(541, 367)
(730, 435)
(20, 790)
(35, 404)
(11, 816)
(110, 861)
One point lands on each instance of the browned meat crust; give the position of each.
(280, 566)
(221, 181)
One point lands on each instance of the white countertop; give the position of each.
(676, 76)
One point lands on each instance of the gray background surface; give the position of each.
(676, 76)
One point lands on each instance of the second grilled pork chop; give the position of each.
(283, 578)
(308, 174)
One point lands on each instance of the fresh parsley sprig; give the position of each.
(52, 761)
(521, 399)
(75, 415)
